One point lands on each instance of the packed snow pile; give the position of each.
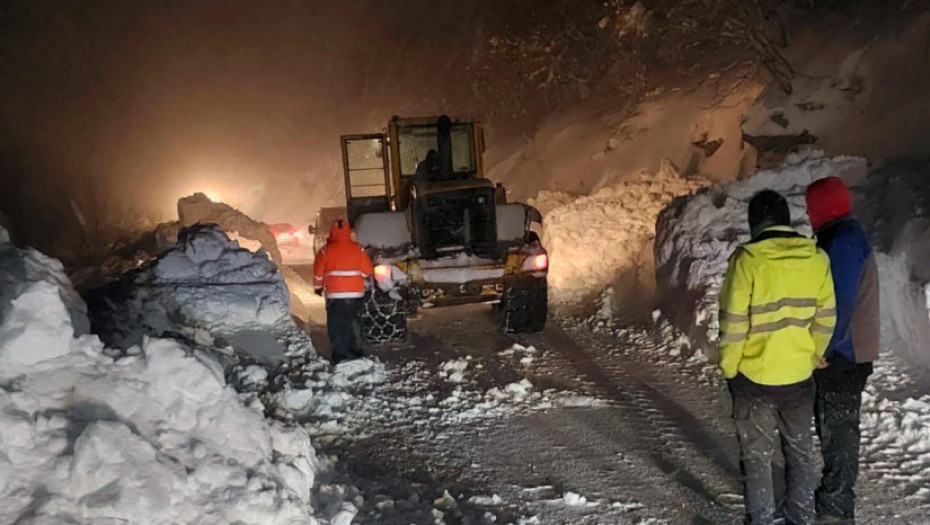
(152, 437)
(206, 282)
(251, 234)
(606, 239)
(696, 234)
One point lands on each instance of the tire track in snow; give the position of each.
(675, 440)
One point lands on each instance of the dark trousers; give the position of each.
(759, 411)
(343, 325)
(839, 398)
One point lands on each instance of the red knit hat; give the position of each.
(827, 200)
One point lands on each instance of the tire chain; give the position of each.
(383, 318)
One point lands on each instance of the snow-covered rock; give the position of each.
(606, 238)
(696, 234)
(153, 437)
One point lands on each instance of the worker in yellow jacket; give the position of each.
(777, 312)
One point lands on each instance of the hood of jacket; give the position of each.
(827, 200)
(784, 244)
(340, 232)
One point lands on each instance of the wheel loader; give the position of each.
(439, 233)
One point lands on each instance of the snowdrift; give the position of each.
(152, 437)
(605, 239)
(696, 234)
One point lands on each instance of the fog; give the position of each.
(111, 110)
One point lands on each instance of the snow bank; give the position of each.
(205, 282)
(896, 427)
(606, 238)
(895, 209)
(154, 437)
(696, 235)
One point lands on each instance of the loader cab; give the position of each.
(432, 151)
(383, 170)
(431, 169)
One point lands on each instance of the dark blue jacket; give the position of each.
(855, 283)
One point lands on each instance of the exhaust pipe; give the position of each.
(444, 128)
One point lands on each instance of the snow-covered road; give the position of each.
(611, 429)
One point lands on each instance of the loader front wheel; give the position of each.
(524, 305)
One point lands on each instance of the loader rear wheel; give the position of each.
(384, 318)
(524, 305)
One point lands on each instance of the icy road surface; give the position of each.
(579, 424)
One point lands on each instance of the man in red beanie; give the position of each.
(852, 349)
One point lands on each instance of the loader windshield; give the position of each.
(415, 143)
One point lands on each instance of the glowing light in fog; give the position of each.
(212, 195)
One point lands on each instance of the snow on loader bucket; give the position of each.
(440, 233)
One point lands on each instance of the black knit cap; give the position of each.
(766, 209)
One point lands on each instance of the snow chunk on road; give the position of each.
(325, 396)
(574, 500)
(453, 371)
(516, 390)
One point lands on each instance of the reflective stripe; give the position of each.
(778, 325)
(823, 329)
(826, 312)
(344, 273)
(317, 278)
(345, 295)
(732, 338)
(778, 305)
(730, 317)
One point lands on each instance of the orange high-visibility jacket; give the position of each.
(342, 267)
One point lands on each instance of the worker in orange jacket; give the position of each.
(341, 273)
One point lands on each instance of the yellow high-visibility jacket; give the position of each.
(777, 309)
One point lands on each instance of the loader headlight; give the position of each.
(383, 272)
(536, 263)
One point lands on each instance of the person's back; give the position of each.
(341, 267)
(340, 273)
(853, 348)
(776, 318)
(772, 334)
